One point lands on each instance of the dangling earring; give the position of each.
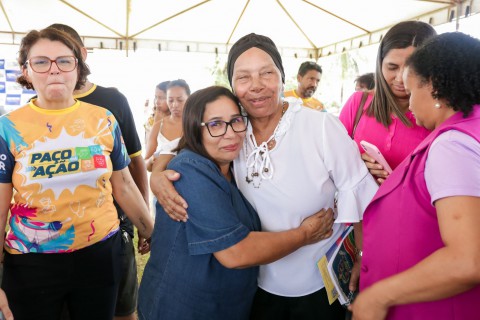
(437, 105)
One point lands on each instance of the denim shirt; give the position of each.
(183, 279)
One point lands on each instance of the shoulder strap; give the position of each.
(359, 113)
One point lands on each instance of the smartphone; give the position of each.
(373, 152)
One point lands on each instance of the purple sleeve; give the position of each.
(453, 166)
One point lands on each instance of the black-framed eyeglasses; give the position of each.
(44, 64)
(218, 128)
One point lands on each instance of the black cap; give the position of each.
(258, 41)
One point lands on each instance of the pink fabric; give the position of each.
(395, 142)
(450, 149)
(401, 229)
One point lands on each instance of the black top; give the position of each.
(114, 101)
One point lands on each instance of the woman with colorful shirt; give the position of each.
(65, 160)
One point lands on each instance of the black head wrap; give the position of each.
(249, 41)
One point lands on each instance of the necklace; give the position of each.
(259, 165)
(271, 142)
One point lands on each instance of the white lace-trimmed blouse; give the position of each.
(312, 160)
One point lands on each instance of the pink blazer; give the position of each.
(401, 229)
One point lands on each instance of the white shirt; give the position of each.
(313, 159)
(165, 146)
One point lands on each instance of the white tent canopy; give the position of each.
(303, 28)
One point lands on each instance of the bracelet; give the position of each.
(359, 253)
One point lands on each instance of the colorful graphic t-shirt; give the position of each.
(114, 101)
(60, 163)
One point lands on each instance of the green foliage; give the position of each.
(291, 83)
(219, 72)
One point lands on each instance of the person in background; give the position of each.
(425, 216)
(159, 111)
(365, 82)
(286, 176)
(308, 78)
(160, 104)
(66, 161)
(169, 128)
(114, 101)
(206, 268)
(385, 119)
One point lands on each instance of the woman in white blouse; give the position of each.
(169, 129)
(295, 160)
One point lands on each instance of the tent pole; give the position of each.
(127, 27)
(457, 19)
(8, 21)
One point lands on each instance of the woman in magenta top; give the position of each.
(421, 241)
(386, 121)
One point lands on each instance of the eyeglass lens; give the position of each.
(219, 127)
(44, 64)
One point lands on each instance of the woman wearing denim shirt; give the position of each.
(206, 268)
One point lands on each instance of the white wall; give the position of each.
(137, 75)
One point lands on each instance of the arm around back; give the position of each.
(161, 184)
(223, 223)
(266, 247)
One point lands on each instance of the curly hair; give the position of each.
(51, 34)
(400, 36)
(451, 63)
